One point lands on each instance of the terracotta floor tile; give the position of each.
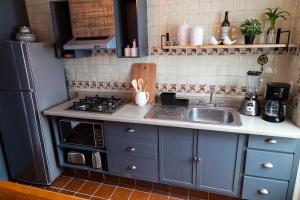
(74, 184)
(121, 194)
(96, 176)
(143, 189)
(110, 179)
(84, 196)
(97, 198)
(218, 197)
(196, 194)
(67, 192)
(143, 184)
(161, 187)
(61, 181)
(105, 191)
(82, 174)
(179, 190)
(89, 188)
(137, 195)
(158, 192)
(158, 197)
(127, 181)
(179, 196)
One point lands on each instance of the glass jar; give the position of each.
(271, 36)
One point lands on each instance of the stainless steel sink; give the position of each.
(197, 114)
(210, 115)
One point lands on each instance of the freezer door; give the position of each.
(14, 67)
(22, 137)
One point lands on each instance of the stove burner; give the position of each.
(98, 104)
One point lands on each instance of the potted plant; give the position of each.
(251, 28)
(272, 16)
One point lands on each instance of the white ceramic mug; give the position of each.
(141, 98)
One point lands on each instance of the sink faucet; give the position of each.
(212, 91)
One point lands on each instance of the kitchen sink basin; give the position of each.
(210, 115)
(197, 114)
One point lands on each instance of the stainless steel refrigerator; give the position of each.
(31, 80)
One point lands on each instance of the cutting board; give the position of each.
(147, 72)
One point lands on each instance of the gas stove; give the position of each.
(98, 104)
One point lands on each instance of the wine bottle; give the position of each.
(225, 27)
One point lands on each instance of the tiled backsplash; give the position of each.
(184, 74)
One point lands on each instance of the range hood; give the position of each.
(93, 25)
(89, 43)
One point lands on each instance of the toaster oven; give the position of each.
(83, 133)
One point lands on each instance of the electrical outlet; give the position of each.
(292, 87)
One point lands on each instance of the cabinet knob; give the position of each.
(267, 165)
(271, 141)
(196, 159)
(130, 130)
(131, 149)
(263, 191)
(132, 167)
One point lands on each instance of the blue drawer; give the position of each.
(132, 147)
(132, 167)
(272, 143)
(129, 130)
(264, 189)
(269, 164)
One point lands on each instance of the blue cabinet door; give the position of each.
(218, 168)
(177, 150)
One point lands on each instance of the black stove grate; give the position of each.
(98, 104)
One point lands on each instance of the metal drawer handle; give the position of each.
(271, 141)
(131, 149)
(263, 191)
(267, 165)
(132, 167)
(130, 130)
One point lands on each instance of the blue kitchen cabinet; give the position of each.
(201, 159)
(177, 153)
(219, 155)
(271, 168)
(132, 150)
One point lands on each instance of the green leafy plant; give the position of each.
(251, 27)
(273, 15)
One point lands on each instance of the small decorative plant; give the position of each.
(275, 14)
(251, 28)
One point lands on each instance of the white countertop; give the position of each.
(133, 114)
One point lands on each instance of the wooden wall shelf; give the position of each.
(237, 46)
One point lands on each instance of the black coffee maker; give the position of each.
(276, 98)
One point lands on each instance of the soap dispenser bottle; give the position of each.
(134, 49)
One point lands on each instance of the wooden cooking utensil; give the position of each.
(134, 84)
(147, 72)
(141, 83)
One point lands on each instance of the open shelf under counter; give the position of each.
(84, 167)
(85, 148)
